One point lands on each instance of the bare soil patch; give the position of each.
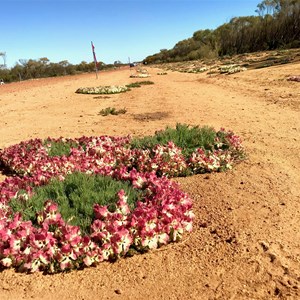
(246, 239)
(146, 117)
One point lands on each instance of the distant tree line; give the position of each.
(276, 26)
(26, 69)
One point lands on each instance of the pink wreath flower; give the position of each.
(162, 216)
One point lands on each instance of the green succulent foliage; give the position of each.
(184, 136)
(76, 196)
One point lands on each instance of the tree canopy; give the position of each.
(26, 69)
(277, 25)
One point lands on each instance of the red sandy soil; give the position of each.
(246, 238)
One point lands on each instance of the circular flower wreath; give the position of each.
(114, 89)
(141, 75)
(54, 245)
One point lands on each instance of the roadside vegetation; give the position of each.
(26, 69)
(277, 26)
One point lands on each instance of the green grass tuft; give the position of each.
(59, 148)
(133, 85)
(186, 137)
(146, 82)
(112, 111)
(139, 84)
(75, 197)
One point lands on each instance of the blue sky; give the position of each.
(63, 30)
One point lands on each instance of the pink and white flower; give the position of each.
(162, 216)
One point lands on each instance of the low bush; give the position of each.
(133, 85)
(139, 84)
(147, 82)
(112, 111)
(141, 75)
(231, 69)
(114, 89)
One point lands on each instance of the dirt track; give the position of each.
(246, 238)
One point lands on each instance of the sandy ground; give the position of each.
(246, 238)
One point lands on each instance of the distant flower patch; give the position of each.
(231, 69)
(114, 89)
(141, 75)
(197, 70)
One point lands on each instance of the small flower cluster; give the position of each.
(142, 71)
(231, 69)
(200, 162)
(198, 70)
(139, 75)
(164, 160)
(114, 89)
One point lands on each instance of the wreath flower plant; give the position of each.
(231, 69)
(114, 89)
(52, 244)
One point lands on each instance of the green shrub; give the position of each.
(75, 197)
(133, 85)
(264, 65)
(139, 84)
(111, 111)
(146, 82)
